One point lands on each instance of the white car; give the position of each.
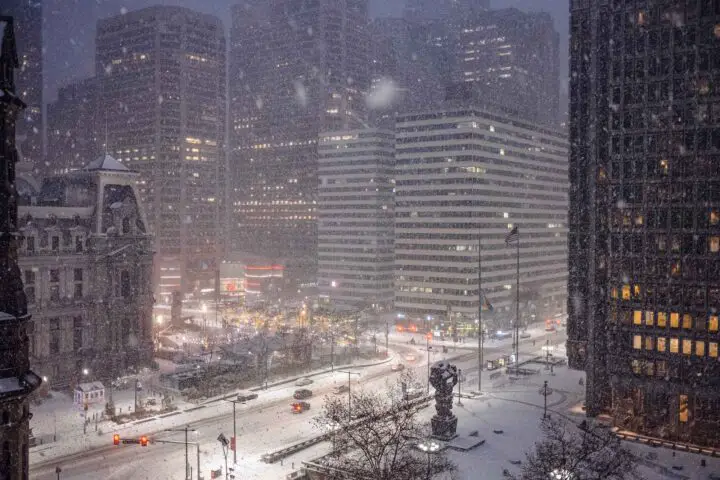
(301, 382)
(410, 358)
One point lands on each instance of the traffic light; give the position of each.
(143, 441)
(116, 439)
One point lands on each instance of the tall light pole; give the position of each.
(429, 348)
(349, 392)
(224, 442)
(234, 442)
(480, 323)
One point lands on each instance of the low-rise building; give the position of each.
(85, 254)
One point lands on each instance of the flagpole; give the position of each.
(480, 324)
(517, 307)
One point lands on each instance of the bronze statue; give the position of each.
(444, 377)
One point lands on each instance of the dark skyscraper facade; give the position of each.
(29, 76)
(161, 72)
(644, 216)
(296, 69)
(422, 10)
(511, 57)
(74, 135)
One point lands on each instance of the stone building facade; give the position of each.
(86, 261)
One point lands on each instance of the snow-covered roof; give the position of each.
(106, 162)
(90, 386)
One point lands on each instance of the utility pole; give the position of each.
(349, 392)
(186, 429)
(545, 392)
(387, 336)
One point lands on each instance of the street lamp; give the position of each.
(430, 447)
(85, 372)
(58, 471)
(429, 349)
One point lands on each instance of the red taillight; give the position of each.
(116, 439)
(143, 441)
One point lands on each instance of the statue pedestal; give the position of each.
(444, 428)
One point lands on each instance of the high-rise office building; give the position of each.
(644, 222)
(73, 133)
(423, 10)
(355, 218)
(296, 71)
(465, 174)
(511, 57)
(161, 72)
(28, 78)
(17, 380)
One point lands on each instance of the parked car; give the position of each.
(525, 335)
(245, 396)
(300, 407)
(302, 394)
(398, 367)
(340, 389)
(303, 381)
(410, 358)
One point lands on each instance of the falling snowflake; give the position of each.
(301, 95)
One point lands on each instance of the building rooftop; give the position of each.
(105, 162)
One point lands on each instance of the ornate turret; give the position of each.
(17, 382)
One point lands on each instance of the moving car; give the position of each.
(410, 358)
(245, 396)
(300, 407)
(301, 382)
(341, 389)
(398, 367)
(302, 394)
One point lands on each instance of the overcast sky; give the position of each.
(69, 32)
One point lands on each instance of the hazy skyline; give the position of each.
(69, 30)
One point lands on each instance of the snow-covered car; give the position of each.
(410, 358)
(301, 382)
(340, 389)
(398, 367)
(300, 407)
(525, 335)
(302, 394)
(245, 396)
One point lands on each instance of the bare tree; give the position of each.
(376, 436)
(577, 452)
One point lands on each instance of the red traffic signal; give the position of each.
(116, 439)
(143, 441)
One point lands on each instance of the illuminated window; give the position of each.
(661, 344)
(687, 321)
(649, 317)
(713, 349)
(714, 217)
(687, 346)
(700, 349)
(649, 369)
(649, 343)
(639, 220)
(614, 293)
(664, 166)
(674, 345)
(637, 317)
(662, 319)
(636, 367)
(661, 369)
(683, 413)
(714, 244)
(636, 291)
(626, 292)
(637, 342)
(674, 320)
(713, 323)
(661, 244)
(675, 269)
